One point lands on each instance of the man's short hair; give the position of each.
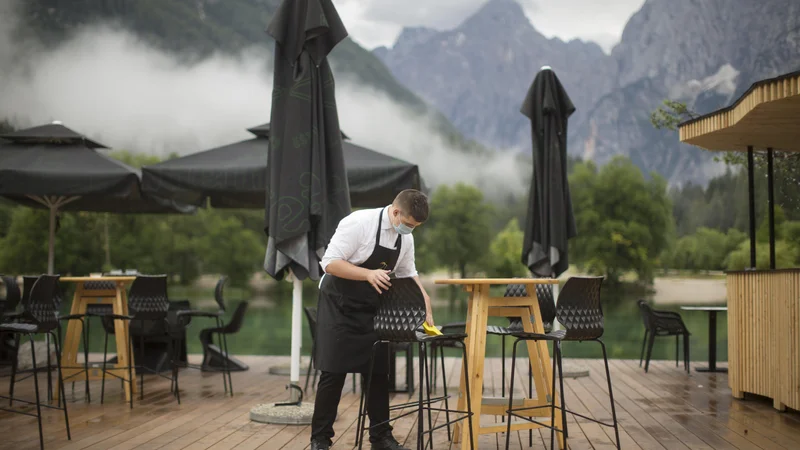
(413, 203)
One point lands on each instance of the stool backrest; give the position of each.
(547, 305)
(219, 291)
(13, 295)
(579, 309)
(41, 306)
(27, 284)
(401, 311)
(148, 298)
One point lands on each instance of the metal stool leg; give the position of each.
(14, 364)
(644, 342)
(469, 400)
(511, 393)
(57, 343)
(428, 386)
(610, 393)
(36, 390)
(105, 357)
(446, 402)
(420, 415)
(363, 407)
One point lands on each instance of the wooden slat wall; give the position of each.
(764, 335)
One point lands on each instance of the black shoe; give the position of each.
(387, 443)
(319, 445)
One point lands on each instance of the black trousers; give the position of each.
(326, 404)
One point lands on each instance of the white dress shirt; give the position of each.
(354, 241)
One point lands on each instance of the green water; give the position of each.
(267, 325)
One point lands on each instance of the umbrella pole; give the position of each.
(556, 289)
(293, 412)
(51, 250)
(297, 338)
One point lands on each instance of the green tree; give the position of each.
(460, 229)
(670, 114)
(623, 220)
(228, 248)
(785, 256)
(505, 252)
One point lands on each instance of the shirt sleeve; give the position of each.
(345, 241)
(406, 267)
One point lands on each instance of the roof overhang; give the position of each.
(766, 116)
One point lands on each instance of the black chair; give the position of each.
(213, 359)
(12, 300)
(401, 312)
(183, 318)
(581, 314)
(311, 318)
(9, 313)
(39, 316)
(663, 323)
(148, 305)
(28, 281)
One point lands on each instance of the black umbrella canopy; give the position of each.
(307, 191)
(54, 164)
(550, 221)
(235, 175)
(53, 167)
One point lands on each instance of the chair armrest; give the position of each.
(670, 323)
(114, 316)
(669, 314)
(195, 313)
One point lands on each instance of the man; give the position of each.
(367, 247)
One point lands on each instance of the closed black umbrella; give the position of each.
(550, 221)
(235, 175)
(307, 192)
(54, 167)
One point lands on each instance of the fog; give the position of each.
(108, 84)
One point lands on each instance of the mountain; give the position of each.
(478, 76)
(194, 29)
(704, 52)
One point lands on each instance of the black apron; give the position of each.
(345, 314)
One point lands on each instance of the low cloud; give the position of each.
(107, 83)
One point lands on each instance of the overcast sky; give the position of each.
(372, 23)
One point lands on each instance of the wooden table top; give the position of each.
(122, 278)
(497, 281)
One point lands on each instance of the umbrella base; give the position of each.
(285, 369)
(574, 370)
(283, 415)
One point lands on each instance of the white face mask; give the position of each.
(402, 228)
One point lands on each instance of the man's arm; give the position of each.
(428, 310)
(344, 243)
(344, 269)
(407, 267)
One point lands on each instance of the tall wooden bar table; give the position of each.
(481, 306)
(107, 290)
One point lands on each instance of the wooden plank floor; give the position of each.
(664, 409)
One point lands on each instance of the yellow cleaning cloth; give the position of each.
(431, 331)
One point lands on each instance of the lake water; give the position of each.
(267, 326)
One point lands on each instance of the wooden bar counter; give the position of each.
(764, 335)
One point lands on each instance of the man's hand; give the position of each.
(379, 278)
(428, 311)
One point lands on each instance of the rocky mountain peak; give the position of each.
(496, 15)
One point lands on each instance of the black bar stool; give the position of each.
(39, 316)
(580, 312)
(399, 318)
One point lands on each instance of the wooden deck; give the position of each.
(663, 409)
